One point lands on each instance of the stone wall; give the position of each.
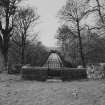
(96, 71)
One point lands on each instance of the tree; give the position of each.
(99, 27)
(74, 12)
(7, 10)
(64, 33)
(99, 9)
(36, 54)
(69, 40)
(24, 18)
(93, 47)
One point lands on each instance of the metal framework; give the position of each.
(53, 61)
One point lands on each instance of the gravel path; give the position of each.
(14, 91)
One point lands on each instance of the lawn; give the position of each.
(15, 91)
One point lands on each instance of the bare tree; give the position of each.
(100, 24)
(99, 9)
(7, 12)
(23, 20)
(74, 12)
(65, 34)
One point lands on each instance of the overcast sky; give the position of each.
(48, 25)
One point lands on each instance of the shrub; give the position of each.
(73, 74)
(14, 69)
(55, 72)
(42, 73)
(34, 73)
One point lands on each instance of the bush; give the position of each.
(42, 73)
(14, 69)
(34, 73)
(55, 72)
(73, 74)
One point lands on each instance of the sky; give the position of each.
(48, 23)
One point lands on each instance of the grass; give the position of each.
(14, 91)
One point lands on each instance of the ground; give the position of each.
(14, 91)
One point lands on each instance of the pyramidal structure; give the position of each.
(53, 61)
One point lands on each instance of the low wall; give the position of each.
(42, 73)
(96, 71)
(73, 74)
(34, 73)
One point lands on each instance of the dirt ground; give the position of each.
(15, 91)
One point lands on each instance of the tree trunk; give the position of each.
(80, 45)
(22, 55)
(23, 50)
(6, 38)
(5, 55)
(1, 61)
(6, 60)
(5, 49)
(99, 11)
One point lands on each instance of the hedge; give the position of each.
(14, 69)
(42, 73)
(69, 74)
(57, 72)
(34, 73)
